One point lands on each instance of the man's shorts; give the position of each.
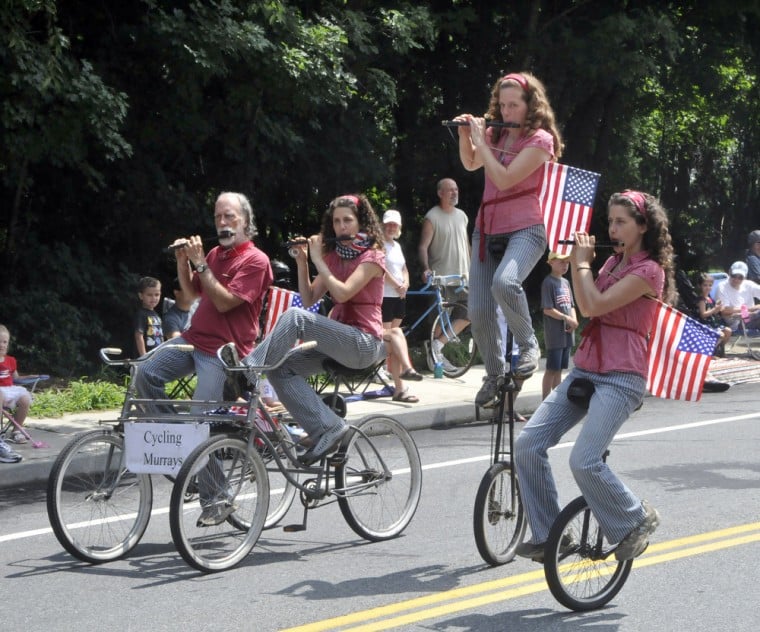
(557, 359)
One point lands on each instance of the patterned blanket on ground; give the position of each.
(735, 370)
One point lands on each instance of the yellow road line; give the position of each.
(477, 595)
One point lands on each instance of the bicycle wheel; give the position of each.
(498, 520)
(459, 350)
(379, 483)
(580, 564)
(281, 491)
(97, 508)
(234, 491)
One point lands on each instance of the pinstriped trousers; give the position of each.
(345, 344)
(493, 282)
(615, 506)
(168, 365)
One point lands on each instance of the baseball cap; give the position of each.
(739, 267)
(555, 255)
(392, 216)
(753, 238)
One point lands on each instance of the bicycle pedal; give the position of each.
(293, 528)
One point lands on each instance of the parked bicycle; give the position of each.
(499, 522)
(459, 349)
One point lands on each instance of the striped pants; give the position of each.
(500, 282)
(616, 508)
(169, 364)
(345, 344)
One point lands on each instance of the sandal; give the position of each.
(411, 374)
(406, 397)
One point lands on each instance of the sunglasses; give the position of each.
(737, 276)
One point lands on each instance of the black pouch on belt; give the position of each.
(580, 391)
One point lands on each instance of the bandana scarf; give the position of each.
(352, 249)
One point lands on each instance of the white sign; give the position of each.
(158, 448)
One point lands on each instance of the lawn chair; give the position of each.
(745, 337)
(8, 422)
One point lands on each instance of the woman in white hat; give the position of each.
(394, 310)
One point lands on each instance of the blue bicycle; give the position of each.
(459, 349)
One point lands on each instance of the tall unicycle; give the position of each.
(499, 522)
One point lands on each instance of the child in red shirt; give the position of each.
(11, 395)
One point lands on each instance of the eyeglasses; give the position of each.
(737, 276)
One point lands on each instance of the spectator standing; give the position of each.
(560, 321)
(148, 328)
(737, 296)
(396, 284)
(753, 256)
(509, 237)
(444, 249)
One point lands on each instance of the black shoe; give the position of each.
(713, 386)
(326, 443)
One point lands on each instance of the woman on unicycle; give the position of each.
(607, 383)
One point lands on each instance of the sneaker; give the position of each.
(325, 443)
(536, 552)
(437, 351)
(7, 455)
(490, 393)
(527, 363)
(636, 542)
(17, 437)
(216, 514)
(235, 384)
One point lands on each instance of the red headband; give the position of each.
(514, 76)
(353, 198)
(638, 199)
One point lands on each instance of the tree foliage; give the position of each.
(121, 122)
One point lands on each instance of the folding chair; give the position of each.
(746, 337)
(182, 388)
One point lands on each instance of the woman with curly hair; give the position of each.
(509, 236)
(349, 258)
(608, 381)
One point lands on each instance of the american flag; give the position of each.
(278, 301)
(567, 200)
(679, 355)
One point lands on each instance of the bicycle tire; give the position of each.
(282, 492)
(499, 521)
(234, 476)
(583, 573)
(97, 508)
(460, 351)
(376, 505)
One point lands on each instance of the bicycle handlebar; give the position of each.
(109, 351)
(443, 281)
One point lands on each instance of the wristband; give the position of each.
(583, 267)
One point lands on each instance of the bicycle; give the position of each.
(499, 521)
(459, 349)
(98, 508)
(375, 476)
(579, 564)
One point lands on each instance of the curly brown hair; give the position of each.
(540, 114)
(368, 222)
(656, 240)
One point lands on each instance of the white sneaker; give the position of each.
(437, 351)
(17, 437)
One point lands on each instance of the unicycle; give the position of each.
(579, 563)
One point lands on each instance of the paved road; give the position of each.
(696, 462)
